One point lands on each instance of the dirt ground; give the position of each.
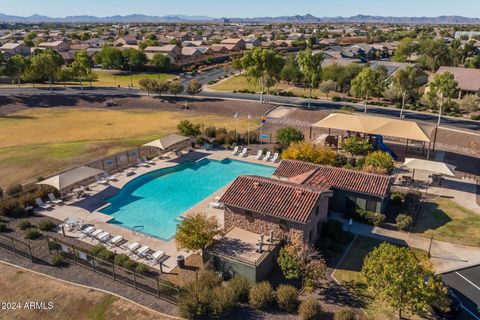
(67, 301)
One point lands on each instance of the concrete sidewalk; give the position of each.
(445, 256)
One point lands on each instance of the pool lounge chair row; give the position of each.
(49, 205)
(267, 157)
(143, 252)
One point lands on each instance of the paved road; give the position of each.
(466, 286)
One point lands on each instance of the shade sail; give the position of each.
(431, 166)
(167, 141)
(66, 179)
(397, 128)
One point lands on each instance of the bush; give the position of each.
(27, 199)
(310, 309)
(340, 160)
(130, 264)
(397, 197)
(32, 234)
(96, 249)
(379, 162)
(46, 225)
(194, 301)
(261, 295)
(404, 222)
(106, 255)
(24, 224)
(1, 193)
(475, 117)
(9, 207)
(120, 259)
(142, 269)
(285, 136)
(345, 314)
(222, 301)
(210, 132)
(14, 190)
(356, 146)
(287, 297)
(57, 261)
(3, 227)
(371, 217)
(240, 287)
(336, 99)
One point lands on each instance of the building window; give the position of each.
(249, 216)
(282, 224)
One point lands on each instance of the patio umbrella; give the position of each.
(66, 179)
(431, 166)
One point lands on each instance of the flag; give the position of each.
(235, 116)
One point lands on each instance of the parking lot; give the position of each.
(466, 286)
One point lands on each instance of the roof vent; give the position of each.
(299, 192)
(256, 184)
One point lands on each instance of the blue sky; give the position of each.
(244, 8)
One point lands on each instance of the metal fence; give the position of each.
(122, 160)
(147, 283)
(17, 247)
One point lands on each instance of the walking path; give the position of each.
(445, 256)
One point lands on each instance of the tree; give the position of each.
(404, 50)
(15, 67)
(291, 70)
(327, 86)
(311, 67)
(473, 63)
(395, 275)
(110, 58)
(175, 87)
(262, 66)
(308, 152)
(237, 64)
(82, 66)
(148, 85)
(405, 81)
(356, 146)
(442, 89)
(369, 82)
(48, 63)
(196, 232)
(285, 136)
(379, 162)
(435, 53)
(470, 103)
(194, 87)
(161, 62)
(188, 129)
(134, 59)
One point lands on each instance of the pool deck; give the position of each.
(87, 208)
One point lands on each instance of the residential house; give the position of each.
(58, 46)
(191, 55)
(393, 67)
(234, 44)
(127, 40)
(173, 51)
(252, 43)
(13, 48)
(468, 79)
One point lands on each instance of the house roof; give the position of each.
(273, 197)
(468, 79)
(392, 67)
(322, 176)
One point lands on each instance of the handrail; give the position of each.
(137, 229)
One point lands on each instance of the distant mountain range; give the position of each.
(308, 18)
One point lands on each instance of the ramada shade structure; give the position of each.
(397, 128)
(69, 178)
(167, 141)
(431, 166)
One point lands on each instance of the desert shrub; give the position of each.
(261, 295)
(129, 264)
(231, 137)
(310, 309)
(46, 225)
(3, 227)
(240, 287)
(340, 160)
(32, 234)
(371, 217)
(9, 206)
(403, 222)
(57, 261)
(194, 301)
(27, 199)
(336, 99)
(24, 224)
(141, 268)
(475, 117)
(120, 259)
(345, 314)
(210, 132)
(106, 255)
(287, 297)
(356, 146)
(96, 249)
(14, 190)
(397, 197)
(209, 279)
(222, 301)
(379, 162)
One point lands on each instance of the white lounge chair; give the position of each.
(88, 230)
(101, 180)
(267, 156)
(129, 172)
(259, 155)
(275, 157)
(142, 251)
(141, 164)
(95, 233)
(151, 162)
(157, 255)
(42, 204)
(114, 241)
(133, 246)
(104, 236)
(235, 151)
(52, 198)
(244, 153)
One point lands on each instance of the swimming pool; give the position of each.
(156, 199)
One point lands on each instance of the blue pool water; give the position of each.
(155, 200)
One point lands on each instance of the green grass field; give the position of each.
(39, 142)
(237, 83)
(446, 220)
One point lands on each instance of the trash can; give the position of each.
(181, 262)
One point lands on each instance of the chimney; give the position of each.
(260, 247)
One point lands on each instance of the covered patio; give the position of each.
(66, 180)
(172, 142)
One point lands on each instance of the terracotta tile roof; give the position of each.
(273, 197)
(339, 178)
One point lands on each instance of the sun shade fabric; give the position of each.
(431, 166)
(376, 125)
(166, 142)
(66, 179)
